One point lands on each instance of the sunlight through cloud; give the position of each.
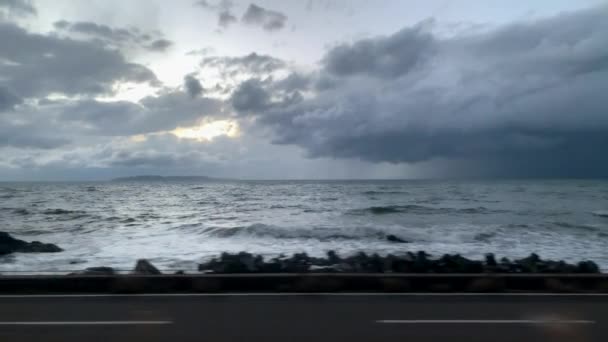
(208, 130)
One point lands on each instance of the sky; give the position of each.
(310, 89)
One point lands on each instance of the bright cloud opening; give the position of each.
(208, 130)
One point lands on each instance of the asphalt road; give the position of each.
(183, 318)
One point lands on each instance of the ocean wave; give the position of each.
(280, 206)
(600, 213)
(21, 211)
(62, 212)
(484, 237)
(418, 209)
(259, 230)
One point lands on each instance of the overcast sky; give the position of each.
(290, 89)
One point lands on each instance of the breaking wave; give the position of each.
(328, 233)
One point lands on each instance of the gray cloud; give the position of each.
(226, 18)
(223, 8)
(54, 124)
(151, 114)
(29, 136)
(159, 45)
(524, 99)
(269, 20)
(201, 52)
(37, 65)
(17, 7)
(252, 63)
(250, 96)
(203, 4)
(386, 57)
(193, 86)
(116, 37)
(7, 99)
(294, 81)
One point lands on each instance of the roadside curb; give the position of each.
(306, 283)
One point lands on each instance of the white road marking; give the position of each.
(482, 321)
(306, 294)
(87, 323)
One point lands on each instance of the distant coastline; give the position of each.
(157, 178)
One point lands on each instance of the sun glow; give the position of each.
(208, 130)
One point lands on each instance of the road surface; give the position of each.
(376, 318)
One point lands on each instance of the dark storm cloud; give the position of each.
(269, 20)
(17, 7)
(36, 65)
(252, 63)
(193, 86)
(116, 37)
(524, 99)
(387, 57)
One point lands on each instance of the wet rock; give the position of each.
(9, 244)
(396, 239)
(145, 267)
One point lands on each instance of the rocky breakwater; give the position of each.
(9, 244)
(419, 262)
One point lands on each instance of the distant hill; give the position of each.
(155, 178)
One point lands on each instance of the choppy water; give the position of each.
(177, 224)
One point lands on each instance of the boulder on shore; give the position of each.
(9, 244)
(145, 267)
(409, 262)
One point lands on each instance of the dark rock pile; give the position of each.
(419, 262)
(144, 267)
(9, 244)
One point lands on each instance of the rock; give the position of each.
(409, 262)
(587, 267)
(144, 267)
(102, 270)
(9, 244)
(396, 239)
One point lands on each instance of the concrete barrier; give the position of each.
(224, 283)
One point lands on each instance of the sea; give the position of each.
(178, 224)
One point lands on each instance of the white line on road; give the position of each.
(307, 294)
(481, 321)
(88, 323)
